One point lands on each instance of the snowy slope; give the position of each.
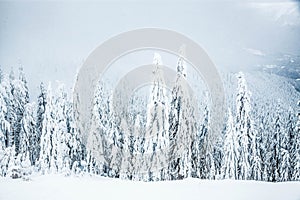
(59, 187)
(269, 87)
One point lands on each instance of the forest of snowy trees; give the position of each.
(166, 143)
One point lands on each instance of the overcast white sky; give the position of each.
(51, 40)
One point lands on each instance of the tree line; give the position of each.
(166, 142)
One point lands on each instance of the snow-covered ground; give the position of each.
(59, 187)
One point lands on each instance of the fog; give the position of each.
(51, 40)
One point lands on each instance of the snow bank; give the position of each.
(59, 187)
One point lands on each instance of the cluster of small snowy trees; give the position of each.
(166, 142)
(36, 137)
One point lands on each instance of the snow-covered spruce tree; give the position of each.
(130, 132)
(276, 157)
(9, 113)
(157, 137)
(218, 155)
(134, 164)
(104, 139)
(2, 155)
(13, 163)
(55, 140)
(256, 162)
(174, 122)
(266, 133)
(291, 135)
(231, 153)
(113, 134)
(5, 128)
(14, 92)
(203, 147)
(296, 154)
(127, 167)
(197, 147)
(181, 128)
(61, 150)
(138, 140)
(134, 149)
(73, 141)
(4, 123)
(91, 165)
(48, 134)
(138, 149)
(286, 148)
(285, 165)
(96, 139)
(191, 134)
(212, 168)
(117, 133)
(112, 142)
(27, 149)
(20, 99)
(2, 143)
(244, 128)
(41, 105)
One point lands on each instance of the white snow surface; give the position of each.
(60, 187)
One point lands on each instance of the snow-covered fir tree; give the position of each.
(243, 127)
(76, 150)
(181, 122)
(20, 99)
(266, 144)
(104, 140)
(27, 151)
(41, 106)
(157, 126)
(48, 134)
(204, 148)
(231, 153)
(296, 154)
(60, 147)
(276, 157)
(256, 162)
(2, 138)
(4, 123)
(8, 109)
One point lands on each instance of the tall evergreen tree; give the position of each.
(243, 127)
(275, 144)
(41, 106)
(61, 150)
(157, 137)
(181, 128)
(28, 140)
(4, 123)
(105, 139)
(73, 140)
(8, 110)
(48, 135)
(20, 99)
(204, 147)
(266, 131)
(231, 154)
(256, 162)
(296, 154)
